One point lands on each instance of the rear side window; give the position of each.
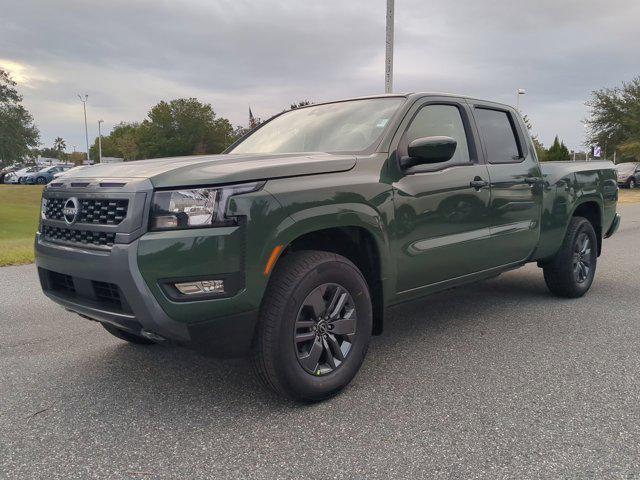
(499, 136)
(441, 120)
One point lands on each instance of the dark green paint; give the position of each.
(432, 230)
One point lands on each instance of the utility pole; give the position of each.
(86, 129)
(388, 69)
(100, 142)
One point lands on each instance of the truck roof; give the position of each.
(412, 95)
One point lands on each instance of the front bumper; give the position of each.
(123, 274)
(78, 278)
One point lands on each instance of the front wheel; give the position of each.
(632, 183)
(41, 180)
(315, 326)
(570, 273)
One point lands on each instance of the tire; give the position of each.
(632, 183)
(564, 275)
(41, 180)
(127, 336)
(281, 358)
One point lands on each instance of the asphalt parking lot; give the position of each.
(494, 380)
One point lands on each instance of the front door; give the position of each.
(516, 184)
(441, 210)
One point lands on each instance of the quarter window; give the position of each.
(499, 136)
(441, 120)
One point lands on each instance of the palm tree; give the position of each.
(59, 144)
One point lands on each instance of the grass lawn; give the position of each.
(629, 196)
(19, 212)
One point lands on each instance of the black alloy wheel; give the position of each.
(582, 257)
(325, 329)
(314, 327)
(571, 271)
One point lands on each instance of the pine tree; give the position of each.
(558, 151)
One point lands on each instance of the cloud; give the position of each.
(234, 54)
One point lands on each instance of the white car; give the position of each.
(18, 175)
(74, 169)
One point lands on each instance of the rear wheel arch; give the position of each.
(592, 211)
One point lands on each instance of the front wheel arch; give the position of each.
(359, 245)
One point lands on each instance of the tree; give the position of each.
(615, 119)
(541, 152)
(127, 143)
(183, 127)
(18, 134)
(301, 103)
(558, 151)
(113, 145)
(77, 158)
(59, 144)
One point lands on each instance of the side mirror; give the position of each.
(429, 150)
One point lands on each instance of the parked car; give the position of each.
(628, 174)
(4, 173)
(45, 175)
(18, 176)
(70, 170)
(291, 246)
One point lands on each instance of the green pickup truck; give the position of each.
(291, 246)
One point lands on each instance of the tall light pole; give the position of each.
(86, 129)
(388, 69)
(100, 142)
(521, 91)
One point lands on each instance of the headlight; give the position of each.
(197, 208)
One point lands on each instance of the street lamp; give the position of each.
(100, 141)
(86, 130)
(521, 91)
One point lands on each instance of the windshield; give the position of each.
(351, 126)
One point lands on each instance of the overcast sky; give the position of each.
(128, 55)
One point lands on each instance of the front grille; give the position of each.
(53, 208)
(94, 211)
(107, 293)
(103, 212)
(80, 237)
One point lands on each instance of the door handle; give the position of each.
(532, 181)
(478, 183)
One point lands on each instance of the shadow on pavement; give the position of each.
(155, 377)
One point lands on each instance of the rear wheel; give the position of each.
(41, 180)
(632, 183)
(571, 272)
(127, 336)
(315, 326)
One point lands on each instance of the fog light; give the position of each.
(201, 286)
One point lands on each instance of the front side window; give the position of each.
(441, 120)
(351, 126)
(499, 136)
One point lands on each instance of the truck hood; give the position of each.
(219, 169)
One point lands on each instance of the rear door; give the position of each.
(516, 183)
